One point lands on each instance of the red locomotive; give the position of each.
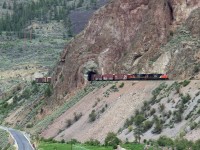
(116, 77)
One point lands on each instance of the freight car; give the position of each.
(43, 80)
(118, 77)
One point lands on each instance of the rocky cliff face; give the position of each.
(134, 36)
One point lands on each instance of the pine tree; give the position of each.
(138, 133)
(14, 6)
(4, 5)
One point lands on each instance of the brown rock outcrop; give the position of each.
(124, 36)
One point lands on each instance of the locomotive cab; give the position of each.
(164, 77)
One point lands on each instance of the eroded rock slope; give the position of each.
(140, 36)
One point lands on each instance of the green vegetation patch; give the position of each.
(64, 146)
(185, 83)
(134, 146)
(157, 91)
(4, 144)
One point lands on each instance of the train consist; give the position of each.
(113, 77)
(43, 80)
(117, 77)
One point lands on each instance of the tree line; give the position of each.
(42, 10)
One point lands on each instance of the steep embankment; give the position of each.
(168, 108)
(112, 107)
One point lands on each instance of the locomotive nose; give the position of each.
(164, 76)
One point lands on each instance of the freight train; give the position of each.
(117, 77)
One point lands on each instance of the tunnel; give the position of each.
(90, 73)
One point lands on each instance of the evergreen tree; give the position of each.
(138, 133)
(9, 6)
(14, 6)
(4, 5)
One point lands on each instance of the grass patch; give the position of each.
(64, 146)
(4, 144)
(134, 146)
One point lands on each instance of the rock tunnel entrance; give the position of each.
(90, 73)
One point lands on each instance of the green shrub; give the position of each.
(145, 106)
(138, 133)
(185, 98)
(5, 105)
(33, 83)
(128, 123)
(177, 116)
(93, 142)
(185, 82)
(35, 89)
(198, 111)
(112, 139)
(197, 94)
(62, 141)
(95, 104)
(69, 123)
(196, 145)
(92, 116)
(183, 144)
(139, 119)
(153, 110)
(113, 88)
(103, 110)
(130, 128)
(74, 141)
(48, 91)
(144, 141)
(181, 108)
(153, 100)
(15, 99)
(162, 107)
(26, 94)
(147, 125)
(77, 116)
(30, 125)
(115, 146)
(196, 68)
(159, 89)
(165, 141)
(193, 125)
(121, 85)
(137, 112)
(158, 127)
(169, 114)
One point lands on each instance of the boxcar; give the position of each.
(96, 77)
(120, 76)
(108, 77)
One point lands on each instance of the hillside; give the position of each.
(34, 49)
(123, 36)
(174, 104)
(134, 37)
(129, 37)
